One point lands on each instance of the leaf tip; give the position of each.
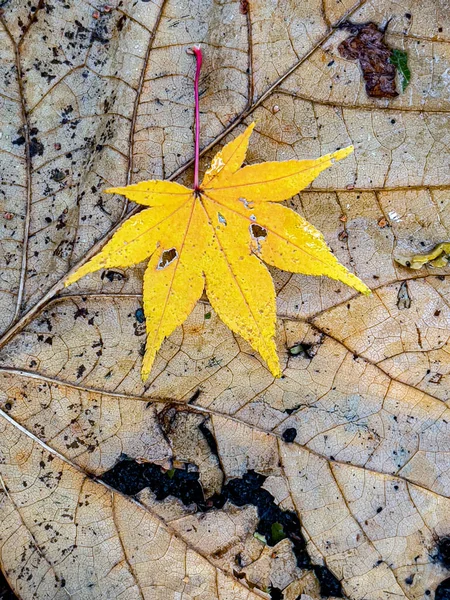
(147, 363)
(342, 153)
(249, 130)
(118, 190)
(71, 279)
(274, 368)
(362, 288)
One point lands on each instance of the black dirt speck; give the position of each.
(36, 147)
(289, 435)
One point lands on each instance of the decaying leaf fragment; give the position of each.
(366, 44)
(437, 257)
(218, 234)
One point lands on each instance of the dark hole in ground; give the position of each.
(443, 590)
(111, 275)
(5, 591)
(329, 585)
(276, 593)
(130, 477)
(289, 411)
(443, 552)
(304, 350)
(195, 396)
(210, 439)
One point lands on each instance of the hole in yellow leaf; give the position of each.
(216, 165)
(221, 219)
(246, 203)
(167, 257)
(258, 232)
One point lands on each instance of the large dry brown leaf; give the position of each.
(352, 445)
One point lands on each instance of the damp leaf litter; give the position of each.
(214, 480)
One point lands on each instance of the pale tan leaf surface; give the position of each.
(74, 537)
(347, 516)
(106, 96)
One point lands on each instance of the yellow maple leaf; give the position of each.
(217, 236)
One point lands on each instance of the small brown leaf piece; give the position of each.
(366, 44)
(244, 7)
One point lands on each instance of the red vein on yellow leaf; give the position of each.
(176, 266)
(159, 222)
(175, 194)
(302, 248)
(275, 179)
(248, 304)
